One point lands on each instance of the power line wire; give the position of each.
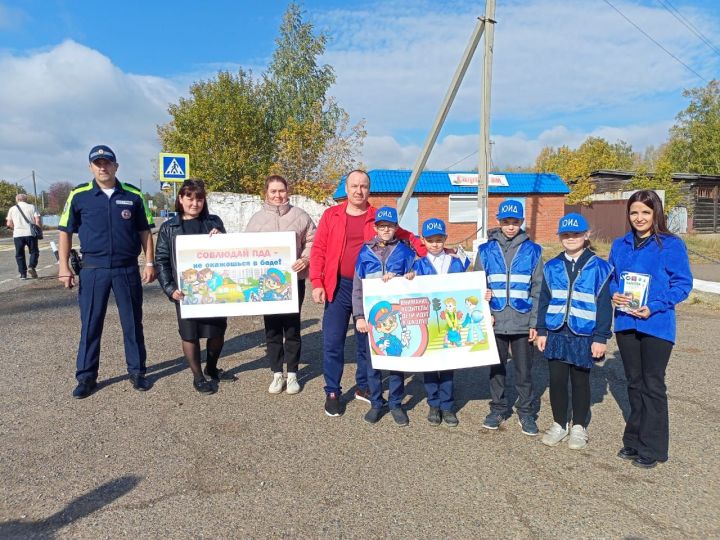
(460, 160)
(689, 25)
(643, 32)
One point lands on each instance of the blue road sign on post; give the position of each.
(174, 167)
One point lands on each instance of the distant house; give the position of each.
(452, 197)
(700, 211)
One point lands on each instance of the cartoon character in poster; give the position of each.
(452, 318)
(273, 286)
(188, 280)
(385, 321)
(472, 321)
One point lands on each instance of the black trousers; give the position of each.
(32, 245)
(645, 359)
(522, 360)
(282, 335)
(580, 382)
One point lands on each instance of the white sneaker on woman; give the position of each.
(293, 386)
(578, 438)
(277, 384)
(555, 435)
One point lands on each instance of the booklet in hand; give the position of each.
(635, 286)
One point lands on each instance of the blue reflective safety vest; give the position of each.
(399, 262)
(423, 266)
(515, 283)
(581, 296)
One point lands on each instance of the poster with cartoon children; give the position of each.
(429, 323)
(237, 274)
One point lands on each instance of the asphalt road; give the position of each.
(241, 463)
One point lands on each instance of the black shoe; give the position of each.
(84, 389)
(139, 382)
(218, 375)
(363, 394)
(333, 407)
(627, 452)
(33, 273)
(645, 462)
(203, 386)
(434, 416)
(372, 416)
(450, 419)
(400, 416)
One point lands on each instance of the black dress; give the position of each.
(193, 329)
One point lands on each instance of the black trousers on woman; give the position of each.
(645, 359)
(282, 335)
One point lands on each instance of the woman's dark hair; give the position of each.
(650, 199)
(192, 187)
(275, 178)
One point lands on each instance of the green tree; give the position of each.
(222, 125)
(694, 144)
(8, 192)
(661, 179)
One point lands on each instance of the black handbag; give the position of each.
(35, 230)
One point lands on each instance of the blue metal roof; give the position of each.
(394, 181)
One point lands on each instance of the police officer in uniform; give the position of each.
(113, 224)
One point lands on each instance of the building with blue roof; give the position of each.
(452, 197)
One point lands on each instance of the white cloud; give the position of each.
(59, 102)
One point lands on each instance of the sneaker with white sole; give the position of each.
(293, 386)
(277, 384)
(555, 435)
(578, 438)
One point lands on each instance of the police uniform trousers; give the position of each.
(95, 287)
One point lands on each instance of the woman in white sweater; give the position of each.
(282, 331)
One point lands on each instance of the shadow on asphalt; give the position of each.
(77, 509)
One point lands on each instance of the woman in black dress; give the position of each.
(192, 218)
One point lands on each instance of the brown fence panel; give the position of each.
(607, 219)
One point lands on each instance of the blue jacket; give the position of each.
(423, 266)
(670, 282)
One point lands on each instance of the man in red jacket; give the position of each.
(340, 234)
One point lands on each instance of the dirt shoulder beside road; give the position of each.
(242, 463)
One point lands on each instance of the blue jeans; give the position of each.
(334, 327)
(439, 389)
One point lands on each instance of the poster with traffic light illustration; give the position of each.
(236, 274)
(429, 323)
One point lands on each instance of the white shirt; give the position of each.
(20, 226)
(441, 262)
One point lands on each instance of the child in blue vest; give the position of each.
(383, 257)
(513, 270)
(574, 319)
(439, 384)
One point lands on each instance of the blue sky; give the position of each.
(75, 73)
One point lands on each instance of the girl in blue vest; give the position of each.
(574, 319)
(645, 332)
(383, 257)
(439, 384)
(513, 269)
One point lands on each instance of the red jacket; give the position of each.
(329, 244)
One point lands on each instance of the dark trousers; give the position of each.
(95, 286)
(645, 359)
(282, 335)
(439, 389)
(335, 326)
(396, 387)
(32, 245)
(522, 360)
(580, 381)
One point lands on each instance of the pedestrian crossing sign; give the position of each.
(174, 167)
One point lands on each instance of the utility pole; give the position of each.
(34, 186)
(484, 153)
(442, 114)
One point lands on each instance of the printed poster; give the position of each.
(226, 275)
(430, 323)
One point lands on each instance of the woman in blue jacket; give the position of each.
(645, 324)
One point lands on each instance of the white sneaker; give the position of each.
(293, 386)
(555, 435)
(277, 384)
(578, 438)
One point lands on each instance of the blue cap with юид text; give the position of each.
(386, 213)
(572, 223)
(510, 209)
(434, 227)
